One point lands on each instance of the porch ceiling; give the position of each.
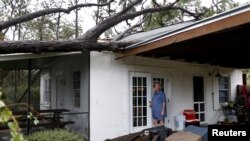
(221, 40)
(227, 48)
(36, 63)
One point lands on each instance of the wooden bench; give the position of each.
(47, 118)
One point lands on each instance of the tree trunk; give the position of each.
(76, 21)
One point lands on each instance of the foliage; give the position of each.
(55, 135)
(7, 118)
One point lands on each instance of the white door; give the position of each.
(140, 95)
(165, 87)
(60, 82)
(199, 99)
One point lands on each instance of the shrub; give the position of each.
(54, 135)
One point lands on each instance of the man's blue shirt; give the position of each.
(157, 101)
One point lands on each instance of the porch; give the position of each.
(50, 116)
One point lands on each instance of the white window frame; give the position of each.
(149, 118)
(46, 89)
(227, 90)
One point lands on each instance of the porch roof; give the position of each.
(219, 40)
(38, 61)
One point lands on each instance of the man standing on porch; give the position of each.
(158, 105)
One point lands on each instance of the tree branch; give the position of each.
(38, 47)
(94, 33)
(121, 35)
(28, 17)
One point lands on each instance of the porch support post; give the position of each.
(244, 78)
(29, 93)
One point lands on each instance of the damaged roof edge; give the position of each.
(20, 56)
(234, 11)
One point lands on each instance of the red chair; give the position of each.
(191, 118)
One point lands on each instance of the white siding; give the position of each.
(109, 90)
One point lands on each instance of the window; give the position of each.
(139, 104)
(159, 80)
(47, 90)
(77, 89)
(223, 89)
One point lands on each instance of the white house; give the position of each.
(109, 92)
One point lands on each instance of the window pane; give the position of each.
(198, 87)
(223, 89)
(144, 121)
(140, 89)
(76, 88)
(144, 101)
(196, 107)
(139, 111)
(134, 81)
(223, 93)
(134, 101)
(202, 107)
(134, 111)
(223, 99)
(139, 81)
(202, 118)
(134, 122)
(144, 111)
(197, 116)
(139, 101)
(144, 91)
(134, 91)
(144, 81)
(139, 121)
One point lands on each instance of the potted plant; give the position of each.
(231, 104)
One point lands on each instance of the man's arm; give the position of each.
(163, 108)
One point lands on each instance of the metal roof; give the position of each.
(169, 31)
(154, 32)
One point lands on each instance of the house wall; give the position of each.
(109, 90)
(61, 72)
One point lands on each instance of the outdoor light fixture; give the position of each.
(217, 74)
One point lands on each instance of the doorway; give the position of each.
(165, 87)
(60, 90)
(198, 97)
